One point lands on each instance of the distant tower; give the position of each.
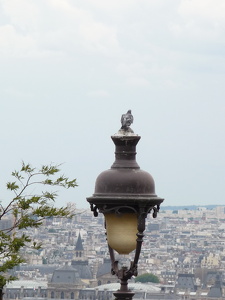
(80, 263)
(79, 249)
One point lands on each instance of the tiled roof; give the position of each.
(34, 284)
(66, 275)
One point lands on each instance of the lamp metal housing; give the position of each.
(125, 189)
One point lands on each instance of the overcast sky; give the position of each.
(70, 69)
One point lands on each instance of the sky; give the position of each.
(69, 70)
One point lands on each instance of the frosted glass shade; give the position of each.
(121, 232)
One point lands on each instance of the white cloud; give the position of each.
(98, 37)
(209, 10)
(176, 29)
(136, 68)
(13, 44)
(113, 5)
(137, 81)
(23, 14)
(15, 93)
(58, 26)
(98, 93)
(201, 19)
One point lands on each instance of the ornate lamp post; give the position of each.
(125, 194)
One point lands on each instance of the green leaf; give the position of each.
(17, 175)
(48, 181)
(27, 168)
(12, 186)
(49, 170)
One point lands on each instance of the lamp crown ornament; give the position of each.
(125, 194)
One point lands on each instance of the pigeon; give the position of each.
(126, 120)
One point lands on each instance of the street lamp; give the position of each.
(125, 194)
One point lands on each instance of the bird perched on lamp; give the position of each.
(126, 120)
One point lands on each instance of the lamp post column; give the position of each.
(125, 194)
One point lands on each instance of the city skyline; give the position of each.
(185, 250)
